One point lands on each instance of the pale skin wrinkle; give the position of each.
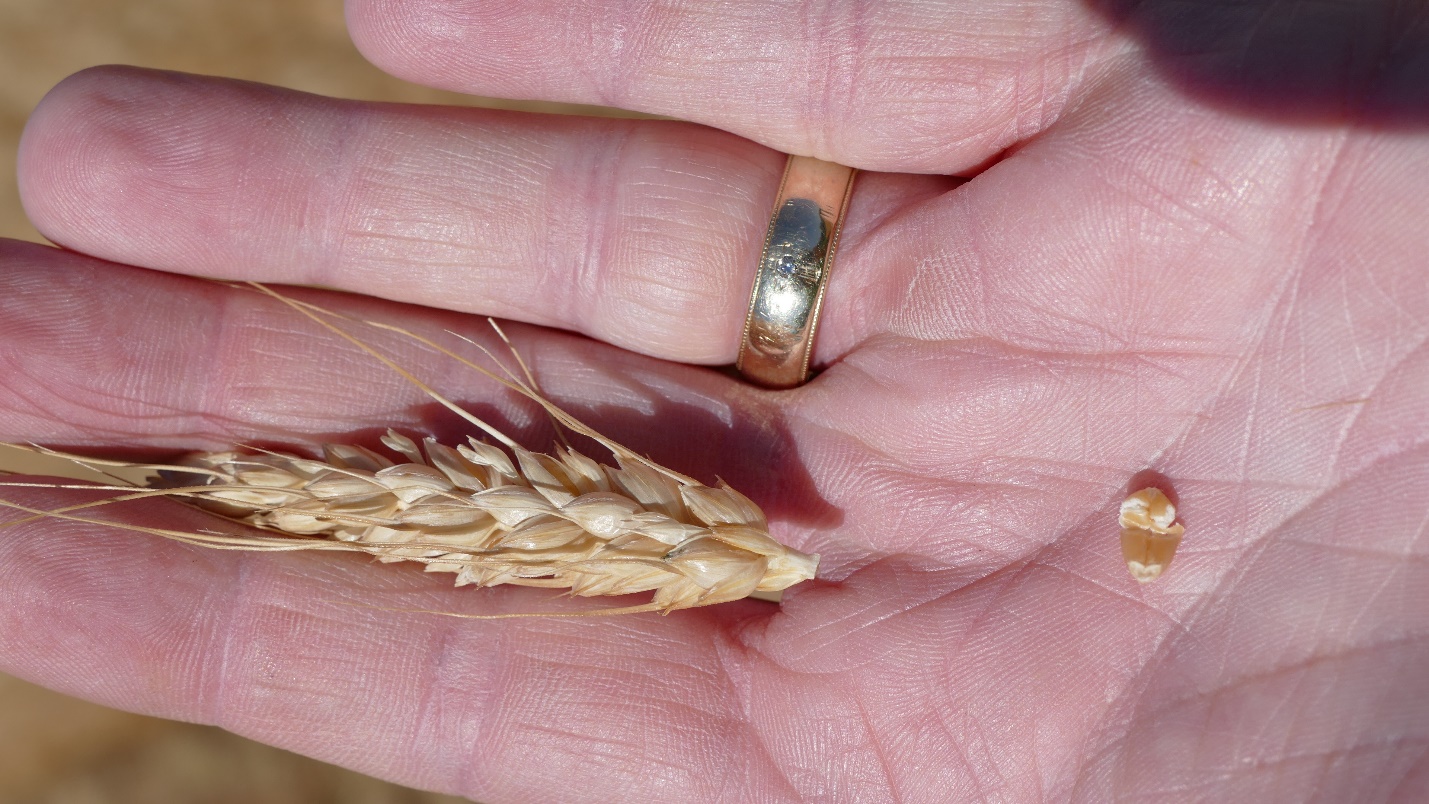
(1094, 303)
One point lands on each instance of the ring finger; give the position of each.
(644, 234)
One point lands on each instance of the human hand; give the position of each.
(1143, 274)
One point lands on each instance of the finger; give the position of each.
(899, 86)
(146, 364)
(643, 234)
(281, 649)
(105, 354)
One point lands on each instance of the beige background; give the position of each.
(55, 749)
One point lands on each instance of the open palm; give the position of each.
(1155, 268)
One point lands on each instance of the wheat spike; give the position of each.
(560, 521)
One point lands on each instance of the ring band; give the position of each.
(793, 272)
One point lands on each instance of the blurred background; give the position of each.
(55, 749)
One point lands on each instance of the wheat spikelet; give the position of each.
(561, 521)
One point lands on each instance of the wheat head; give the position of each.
(560, 521)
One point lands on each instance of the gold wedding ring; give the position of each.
(794, 271)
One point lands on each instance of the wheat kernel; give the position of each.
(1149, 533)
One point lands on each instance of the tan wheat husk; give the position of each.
(490, 515)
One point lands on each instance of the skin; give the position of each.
(1188, 247)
